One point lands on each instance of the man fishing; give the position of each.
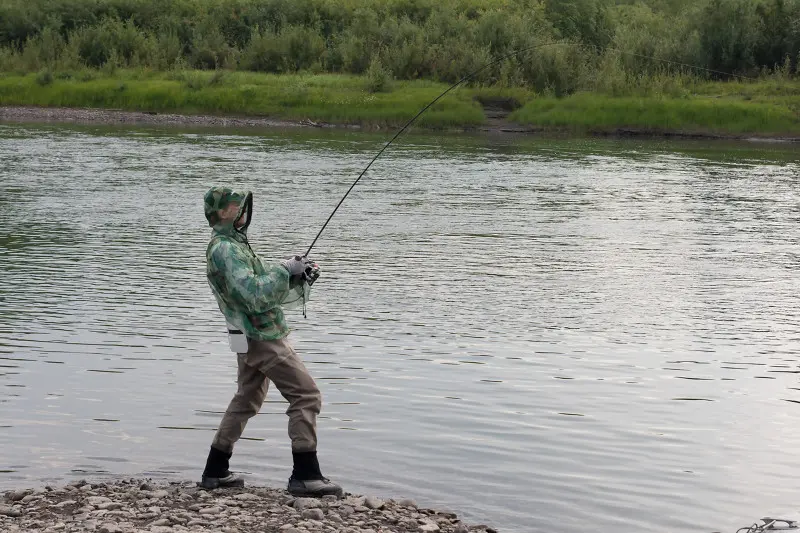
(250, 294)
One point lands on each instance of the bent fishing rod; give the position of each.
(475, 73)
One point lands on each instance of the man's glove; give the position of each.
(301, 269)
(295, 265)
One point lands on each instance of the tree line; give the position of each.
(573, 43)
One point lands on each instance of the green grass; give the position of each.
(766, 107)
(340, 99)
(717, 109)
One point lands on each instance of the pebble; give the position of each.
(314, 514)
(405, 502)
(65, 503)
(16, 495)
(7, 510)
(355, 501)
(306, 503)
(374, 503)
(246, 497)
(137, 506)
(109, 506)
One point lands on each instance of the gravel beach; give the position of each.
(138, 506)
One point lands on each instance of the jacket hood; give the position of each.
(219, 198)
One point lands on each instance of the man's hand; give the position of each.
(301, 269)
(295, 265)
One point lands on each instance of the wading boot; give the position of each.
(216, 475)
(308, 481)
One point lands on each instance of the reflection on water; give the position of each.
(544, 335)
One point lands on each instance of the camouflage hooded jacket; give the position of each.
(249, 293)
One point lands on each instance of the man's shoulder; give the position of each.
(222, 247)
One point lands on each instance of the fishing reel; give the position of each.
(311, 272)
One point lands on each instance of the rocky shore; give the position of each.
(138, 506)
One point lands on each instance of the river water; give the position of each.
(553, 335)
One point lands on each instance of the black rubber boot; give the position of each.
(307, 479)
(216, 474)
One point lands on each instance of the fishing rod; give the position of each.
(478, 71)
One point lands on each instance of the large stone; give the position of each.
(461, 527)
(211, 511)
(110, 528)
(429, 527)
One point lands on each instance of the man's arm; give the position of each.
(257, 294)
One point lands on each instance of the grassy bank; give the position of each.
(732, 115)
(339, 99)
(759, 108)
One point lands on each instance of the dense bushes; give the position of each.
(600, 42)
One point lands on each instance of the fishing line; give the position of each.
(476, 72)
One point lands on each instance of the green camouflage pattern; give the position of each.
(248, 291)
(217, 199)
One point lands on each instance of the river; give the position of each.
(555, 335)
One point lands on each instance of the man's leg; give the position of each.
(281, 364)
(250, 395)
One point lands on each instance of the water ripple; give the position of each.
(544, 335)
